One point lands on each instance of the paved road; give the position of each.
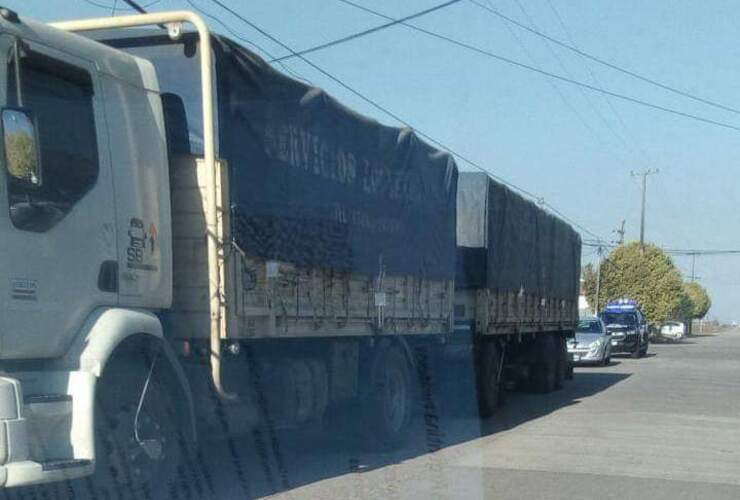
(665, 426)
(662, 427)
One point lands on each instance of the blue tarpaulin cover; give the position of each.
(312, 182)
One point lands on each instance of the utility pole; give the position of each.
(644, 175)
(693, 265)
(620, 232)
(599, 250)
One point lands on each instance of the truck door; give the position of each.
(58, 256)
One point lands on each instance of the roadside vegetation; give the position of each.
(649, 276)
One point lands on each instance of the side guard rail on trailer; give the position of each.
(174, 19)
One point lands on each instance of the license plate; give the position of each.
(615, 342)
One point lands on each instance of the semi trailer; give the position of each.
(196, 244)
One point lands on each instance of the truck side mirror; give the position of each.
(21, 147)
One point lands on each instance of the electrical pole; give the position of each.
(598, 280)
(644, 175)
(620, 232)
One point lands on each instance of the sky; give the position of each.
(571, 146)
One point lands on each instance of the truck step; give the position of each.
(65, 463)
(28, 472)
(46, 398)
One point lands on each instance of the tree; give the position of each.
(698, 299)
(650, 277)
(588, 273)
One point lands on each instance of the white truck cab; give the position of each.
(86, 256)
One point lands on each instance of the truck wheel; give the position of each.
(637, 351)
(390, 405)
(489, 381)
(545, 370)
(562, 368)
(122, 462)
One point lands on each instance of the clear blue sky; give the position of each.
(558, 141)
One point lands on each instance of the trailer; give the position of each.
(517, 287)
(199, 245)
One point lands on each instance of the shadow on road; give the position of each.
(626, 355)
(449, 420)
(269, 461)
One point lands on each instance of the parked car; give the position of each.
(591, 344)
(628, 327)
(675, 330)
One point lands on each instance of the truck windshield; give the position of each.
(621, 318)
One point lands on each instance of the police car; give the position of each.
(627, 327)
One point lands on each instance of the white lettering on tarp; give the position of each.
(361, 219)
(308, 151)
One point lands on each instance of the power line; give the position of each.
(672, 251)
(594, 78)
(607, 63)
(513, 62)
(574, 223)
(568, 73)
(109, 7)
(367, 31)
(393, 115)
(704, 252)
(244, 39)
(135, 6)
(372, 102)
(554, 86)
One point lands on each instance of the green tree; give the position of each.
(588, 273)
(698, 300)
(648, 276)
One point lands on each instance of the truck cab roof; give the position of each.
(115, 63)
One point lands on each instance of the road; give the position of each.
(663, 427)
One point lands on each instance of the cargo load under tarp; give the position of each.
(508, 243)
(312, 183)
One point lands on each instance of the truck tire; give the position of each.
(562, 369)
(636, 353)
(390, 403)
(547, 360)
(489, 380)
(122, 463)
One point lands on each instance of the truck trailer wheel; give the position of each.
(131, 466)
(390, 402)
(489, 379)
(562, 368)
(547, 362)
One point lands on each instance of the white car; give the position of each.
(673, 330)
(591, 344)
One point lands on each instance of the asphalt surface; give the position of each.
(662, 427)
